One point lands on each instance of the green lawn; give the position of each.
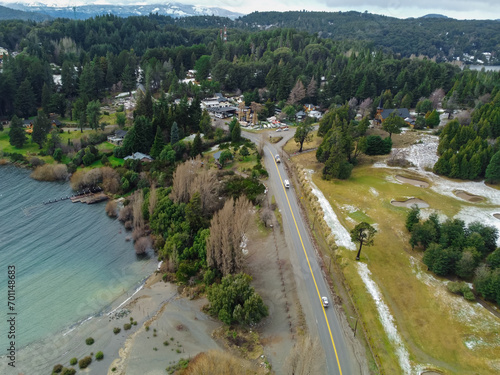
(28, 148)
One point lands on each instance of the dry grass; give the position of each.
(292, 147)
(220, 363)
(50, 172)
(111, 208)
(433, 324)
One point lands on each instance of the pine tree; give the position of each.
(93, 113)
(24, 103)
(236, 133)
(17, 135)
(158, 144)
(174, 134)
(128, 79)
(46, 94)
(197, 146)
(41, 127)
(493, 170)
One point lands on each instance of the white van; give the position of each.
(286, 183)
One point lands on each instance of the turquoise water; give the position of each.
(71, 259)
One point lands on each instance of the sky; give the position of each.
(459, 9)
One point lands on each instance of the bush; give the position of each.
(57, 368)
(68, 371)
(99, 355)
(85, 362)
(73, 361)
(111, 208)
(127, 326)
(50, 172)
(116, 330)
(89, 341)
(142, 245)
(35, 162)
(461, 288)
(375, 145)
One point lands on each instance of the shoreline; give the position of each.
(40, 356)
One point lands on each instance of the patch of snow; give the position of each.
(374, 192)
(423, 155)
(350, 208)
(342, 236)
(386, 319)
(466, 312)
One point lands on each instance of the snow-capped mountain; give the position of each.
(83, 9)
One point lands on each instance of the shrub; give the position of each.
(127, 326)
(85, 362)
(166, 343)
(111, 208)
(57, 368)
(116, 330)
(461, 288)
(50, 172)
(68, 371)
(73, 361)
(35, 162)
(147, 328)
(99, 355)
(89, 341)
(142, 245)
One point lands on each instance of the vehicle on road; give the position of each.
(277, 158)
(278, 130)
(285, 129)
(286, 183)
(325, 301)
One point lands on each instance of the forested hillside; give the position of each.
(8, 14)
(442, 38)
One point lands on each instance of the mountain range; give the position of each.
(175, 10)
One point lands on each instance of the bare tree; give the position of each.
(266, 216)
(464, 118)
(153, 199)
(305, 358)
(436, 97)
(256, 108)
(312, 88)
(297, 94)
(138, 200)
(227, 230)
(183, 176)
(207, 185)
(110, 180)
(260, 146)
(142, 245)
(365, 107)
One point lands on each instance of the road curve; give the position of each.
(340, 357)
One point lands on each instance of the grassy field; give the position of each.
(292, 147)
(438, 328)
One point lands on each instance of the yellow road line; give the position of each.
(308, 263)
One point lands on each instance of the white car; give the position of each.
(286, 183)
(325, 301)
(278, 130)
(277, 158)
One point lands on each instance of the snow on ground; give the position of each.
(466, 312)
(386, 319)
(374, 192)
(423, 155)
(342, 236)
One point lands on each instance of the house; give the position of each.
(117, 138)
(56, 123)
(300, 115)
(315, 114)
(190, 73)
(309, 107)
(383, 114)
(139, 156)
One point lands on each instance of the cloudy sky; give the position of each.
(460, 9)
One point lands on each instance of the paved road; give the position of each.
(340, 358)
